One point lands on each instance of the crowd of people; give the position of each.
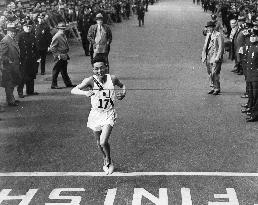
(28, 32)
(233, 28)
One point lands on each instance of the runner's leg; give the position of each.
(106, 131)
(97, 137)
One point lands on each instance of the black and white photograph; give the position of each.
(128, 102)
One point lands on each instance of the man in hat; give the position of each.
(10, 63)
(29, 56)
(100, 38)
(212, 54)
(43, 39)
(252, 75)
(60, 48)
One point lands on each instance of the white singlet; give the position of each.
(102, 102)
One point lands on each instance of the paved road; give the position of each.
(167, 123)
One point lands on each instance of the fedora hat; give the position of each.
(61, 25)
(11, 27)
(241, 18)
(99, 16)
(210, 24)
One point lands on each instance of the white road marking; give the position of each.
(125, 174)
(231, 196)
(186, 196)
(140, 192)
(110, 198)
(4, 196)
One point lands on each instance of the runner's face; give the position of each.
(99, 69)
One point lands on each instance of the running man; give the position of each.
(102, 117)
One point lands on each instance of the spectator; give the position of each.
(10, 62)
(100, 38)
(212, 54)
(60, 48)
(140, 14)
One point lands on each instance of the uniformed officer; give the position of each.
(252, 75)
(244, 51)
(29, 55)
(237, 42)
(84, 23)
(43, 38)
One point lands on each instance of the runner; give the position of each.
(102, 117)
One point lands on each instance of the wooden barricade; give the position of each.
(72, 27)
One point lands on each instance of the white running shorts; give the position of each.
(97, 119)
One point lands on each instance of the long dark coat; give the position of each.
(84, 23)
(140, 12)
(252, 63)
(29, 55)
(43, 36)
(10, 57)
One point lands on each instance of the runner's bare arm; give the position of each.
(78, 90)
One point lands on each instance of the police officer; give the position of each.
(237, 42)
(29, 56)
(252, 75)
(243, 52)
(84, 23)
(43, 38)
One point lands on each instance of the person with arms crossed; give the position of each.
(102, 116)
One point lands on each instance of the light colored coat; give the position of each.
(215, 48)
(59, 46)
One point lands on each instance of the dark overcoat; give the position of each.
(29, 55)
(10, 60)
(252, 63)
(84, 24)
(140, 12)
(43, 36)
